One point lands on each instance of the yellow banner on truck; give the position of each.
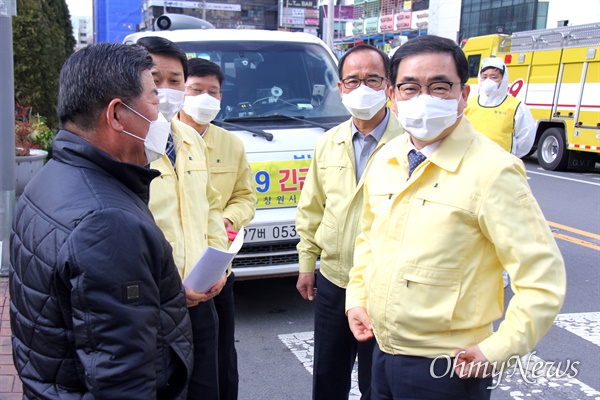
(278, 183)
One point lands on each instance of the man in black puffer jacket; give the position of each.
(97, 306)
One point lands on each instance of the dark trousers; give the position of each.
(228, 369)
(398, 377)
(204, 383)
(336, 348)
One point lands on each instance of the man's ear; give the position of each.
(465, 93)
(391, 94)
(392, 97)
(114, 114)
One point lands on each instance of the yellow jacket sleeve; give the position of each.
(309, 215)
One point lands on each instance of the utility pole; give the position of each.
(8, 8)
(204, 10)
(330, 15)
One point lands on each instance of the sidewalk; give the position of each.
(10, 385)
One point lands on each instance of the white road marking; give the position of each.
(554, 381)
(563, 177)
(585, 325)
(301, 344)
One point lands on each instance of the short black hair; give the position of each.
(431, 44)
(365, 47)
(203, 67)
(492, 67)
(92, 77)
(164, 47)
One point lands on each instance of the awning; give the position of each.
(379, 38)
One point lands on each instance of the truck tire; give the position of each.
(551, 151)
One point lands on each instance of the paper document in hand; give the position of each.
(212, 264)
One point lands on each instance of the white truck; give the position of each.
(279, 95)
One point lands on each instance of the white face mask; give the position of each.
(488, 87)
(202, 108)
(426, 117)
(363, 102)
(155, 143)
(171, 101)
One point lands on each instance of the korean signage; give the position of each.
(402, 21)
(309, 13)
(278, 184)
(371, 25)
(358, 27)
(293, 17)
(420, 20)
(345, 13)
(386, 23)
(301, 3)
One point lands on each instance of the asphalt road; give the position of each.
(274, 325)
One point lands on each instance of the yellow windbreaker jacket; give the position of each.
(328, 213)
(230, 175)
(428, 263)
(185, 205)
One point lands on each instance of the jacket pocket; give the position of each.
(223, 169)
(424, 299)
(326, 237)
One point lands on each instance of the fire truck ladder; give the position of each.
(552, 39)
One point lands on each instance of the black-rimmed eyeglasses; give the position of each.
(373, 82)
(442, 90)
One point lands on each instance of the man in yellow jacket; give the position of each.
(445, 212)
(328, 218)
(232, 178)
(187, 209)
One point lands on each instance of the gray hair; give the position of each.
(94, 76)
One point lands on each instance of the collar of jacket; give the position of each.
(211, 131)
(344, 133)
(71, 149)
(448, 154)
(183, 132)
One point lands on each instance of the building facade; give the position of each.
(483, 17)
(226, 14)
(115, 19)
(84, 34)
(384, 23)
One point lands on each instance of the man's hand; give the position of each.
(360, 324)
(194, 298)
(228, 224)
(471, 363)
(306, 285)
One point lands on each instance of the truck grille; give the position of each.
(264, 254)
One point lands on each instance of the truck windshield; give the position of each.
(265, 78)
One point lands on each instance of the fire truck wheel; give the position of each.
(552, 152)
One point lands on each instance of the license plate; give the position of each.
(270, 233)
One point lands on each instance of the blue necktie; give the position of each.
(414, 159)
(170, 150)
